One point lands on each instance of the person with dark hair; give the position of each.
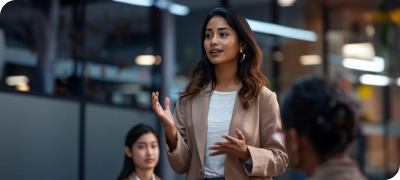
(320, 126)
(141, 154)
(225, 119)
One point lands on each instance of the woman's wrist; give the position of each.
(169, 128)
(246, 155)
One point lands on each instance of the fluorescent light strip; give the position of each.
(376, 65)
(398, 81)
(374, 80)
(269, 28)
(178, 9)
(173, 8)
(146, 3)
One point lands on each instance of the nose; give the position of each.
(148, 151)
(214, 40)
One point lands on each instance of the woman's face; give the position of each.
(145, 152)
(221, 42)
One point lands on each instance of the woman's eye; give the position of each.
(208, 35)
(223, 34)
(141, 147)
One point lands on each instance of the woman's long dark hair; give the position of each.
(132, 136)
(249, 71)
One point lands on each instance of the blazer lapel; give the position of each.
(200, 106)
(239, 115)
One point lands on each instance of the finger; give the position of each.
(222, 144)
(240, 135)
(230, 138)
(214, 148)
(166, 103)
(216, 153)
(153, 100)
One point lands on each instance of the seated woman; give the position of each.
(141, 154)
(319, 126)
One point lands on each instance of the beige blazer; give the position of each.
(257, 123)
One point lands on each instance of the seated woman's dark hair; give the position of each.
(321, 112)
(132, 136)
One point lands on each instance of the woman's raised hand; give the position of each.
(164, 114)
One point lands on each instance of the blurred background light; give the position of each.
(286, 3)
(158, 60)
(173, 8)
(370, 30)
(23, 87)
(269, 28)
(374, 80)
(145, 60)
(178, 9)
(358, 51)
(376, 65)
(146, 3)
(398, 81)
(16, 80)
(310, 60)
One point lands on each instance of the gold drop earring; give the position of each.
(243, 56)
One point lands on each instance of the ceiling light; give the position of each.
(146, 3)
(269, 28)
(310, 60)
(285, 3)
(374, 80)
(376, 65)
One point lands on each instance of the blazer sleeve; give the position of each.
(180, 157)
(271, 159)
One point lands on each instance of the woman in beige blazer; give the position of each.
(252, 147)
(320, 126)
(141, 154)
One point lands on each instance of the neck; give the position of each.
(226, 77)
(144, 174)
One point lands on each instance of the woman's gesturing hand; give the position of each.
(234, 147)
(164, 114)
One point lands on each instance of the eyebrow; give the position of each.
(146, 143)
(219, 29)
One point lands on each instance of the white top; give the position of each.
(219, 119)
(153, 177)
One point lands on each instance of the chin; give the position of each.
(150, 166)
(217, 61)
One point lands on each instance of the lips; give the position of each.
(149, 160)
(215, 52)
